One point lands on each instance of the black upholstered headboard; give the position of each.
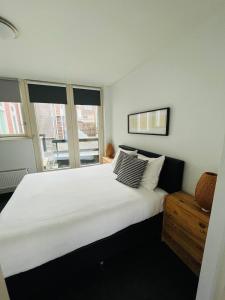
(171, 176)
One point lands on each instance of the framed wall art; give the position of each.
(155, 122)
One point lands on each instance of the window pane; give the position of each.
(11, 120)
(87, 118)
(51, 123)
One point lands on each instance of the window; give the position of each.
(11, 119)
(52, 123)
(3, 123)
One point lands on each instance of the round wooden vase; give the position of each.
(204, 190)
(110, 150)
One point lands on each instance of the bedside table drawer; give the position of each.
(182, 238)
(185, 228)
(187, 221)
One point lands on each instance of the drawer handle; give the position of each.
(202, 225)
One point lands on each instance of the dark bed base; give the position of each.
(46, 276)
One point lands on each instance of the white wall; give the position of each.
(16, 154)
(190, 78)
(212, 276)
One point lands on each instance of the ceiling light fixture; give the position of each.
(7, 30)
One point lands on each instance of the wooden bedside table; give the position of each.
(185, 228)
(106, 160)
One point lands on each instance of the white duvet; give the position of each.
(53, 213)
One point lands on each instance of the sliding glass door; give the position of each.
(52, 132)
(88, 133)
(49, 112)
(87, 102)
(66, 125)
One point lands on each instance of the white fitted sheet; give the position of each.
(53, 213)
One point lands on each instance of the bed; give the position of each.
(78, 217)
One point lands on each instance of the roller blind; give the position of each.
(9, 90)
(47, 93)
(86, 97)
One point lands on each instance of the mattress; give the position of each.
(54, 213)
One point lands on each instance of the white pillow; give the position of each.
(151, 175)
(118, 152)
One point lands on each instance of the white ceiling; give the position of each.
(93, 41)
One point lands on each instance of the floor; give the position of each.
(148, 273)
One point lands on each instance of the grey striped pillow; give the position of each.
(131, 171)
(120, 158)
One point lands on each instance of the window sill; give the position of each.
(11, 138)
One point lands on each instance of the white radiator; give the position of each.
(10, 179)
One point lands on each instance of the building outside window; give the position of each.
(11, 122)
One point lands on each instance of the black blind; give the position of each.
(47, 93)
(9, 90)
(86, 97)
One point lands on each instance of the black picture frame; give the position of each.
(167, 121)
